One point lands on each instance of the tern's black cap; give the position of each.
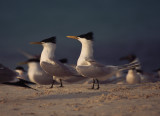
(33, 60)
(20, 68)
(51, 39)
(88, 36)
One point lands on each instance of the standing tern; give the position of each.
(54, 67)
(9, 77)
(88, 67)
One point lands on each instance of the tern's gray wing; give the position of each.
(72, 68)
(6, 74)
(56, 69)
(96, 70)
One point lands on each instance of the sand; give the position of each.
(79, 100)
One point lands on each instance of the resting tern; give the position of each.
(54, 67)
(36, 73)
(146, 77)
(88, 67)
(22, 73)
(9, 77)
(133, 77)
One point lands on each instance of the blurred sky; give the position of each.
(120, 27)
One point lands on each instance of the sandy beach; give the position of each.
(79, 100)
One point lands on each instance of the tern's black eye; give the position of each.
(51, 39)
(88, 36)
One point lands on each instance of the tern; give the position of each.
(133, 77)
(146, 77)
(36, 74)
(87, 66)
(22, 73)
(9, 77)
(54, 67)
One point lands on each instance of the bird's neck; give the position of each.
(86, 52)
(48, 52)
(132, 72)
(34, 67)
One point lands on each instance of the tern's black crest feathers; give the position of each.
(88, 36)
(20, 68)
(33, 60)
(51, 39)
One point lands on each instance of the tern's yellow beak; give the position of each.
(73, 37)
(35, 42)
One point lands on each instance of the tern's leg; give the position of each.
(97, 83)
(93, 84)
(61, 83)
(52, 83)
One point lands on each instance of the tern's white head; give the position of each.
(87, 47)
(49, 46)
(33, 64)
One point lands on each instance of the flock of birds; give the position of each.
(47, 70)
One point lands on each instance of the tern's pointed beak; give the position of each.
(22, 63)
(35, 42)
(73, 37)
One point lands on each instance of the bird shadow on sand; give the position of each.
(72, 95)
